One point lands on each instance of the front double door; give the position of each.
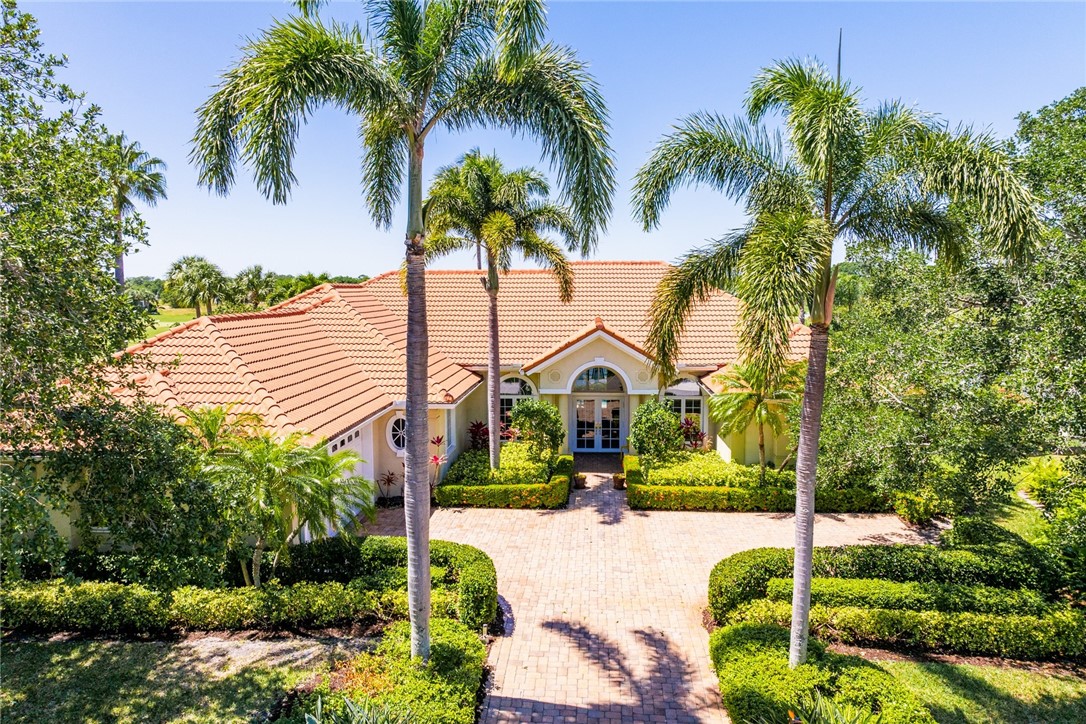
(597, 424)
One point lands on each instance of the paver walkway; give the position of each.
(604, 604)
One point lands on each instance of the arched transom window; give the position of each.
(598, 379)
(684, 396)
(512, 391)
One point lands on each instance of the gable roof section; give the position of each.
(534, 321)
(311, 364)
(598, 330)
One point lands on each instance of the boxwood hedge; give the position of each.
(914, 596)
(330, 582)
(756, 683)
(672, 495)
(552, 494)
(745, 576)
(1061, 633)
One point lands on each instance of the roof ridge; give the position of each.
(575, 263)
(312, 290)
(146, 344)
(249, 377)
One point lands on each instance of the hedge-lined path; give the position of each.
(607, 603)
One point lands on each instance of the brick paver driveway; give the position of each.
(604, 605)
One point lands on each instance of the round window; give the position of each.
(397, 433)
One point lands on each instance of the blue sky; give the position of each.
(149, 65)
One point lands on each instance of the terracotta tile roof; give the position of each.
(534, 321)
(597, 326)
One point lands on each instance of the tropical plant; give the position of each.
(479, 205)
(134, 176)
(439, 63)
(748, 398)
(888, 175)
(192, 281)
(356, 713)
(539, 423)
(254, 286)
(215, 428)
(655, 432)
(278, 491)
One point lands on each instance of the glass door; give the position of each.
(585, 430)
(610, 424)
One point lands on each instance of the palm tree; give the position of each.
(193, 280)
(255, 285)
(135, 176)
(447, 63)
(886, 174)
(477, 205)
(276, 489)
(748, 397)
(215, 428)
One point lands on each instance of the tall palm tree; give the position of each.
(448, 63)
(135, 176)
(478, 205)
(276, 489)
(255, 285)
(747, 397)
(193, 280)
(887, 174)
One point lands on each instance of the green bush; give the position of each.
(520, 465)
(745, 576)
(918, 508)
(976, 533)
(551, 494)
(91, 608)
(756, 683)
(914, 596)
(159, 572)
(1061, 633)
(654, 431)
(442, 691)
(698, 468)
(539, 424)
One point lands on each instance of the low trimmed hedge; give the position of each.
(745, 576)
(914, 596)
(520, 465)
(1061, 633)
(442, 691)
(708, 469)
(674, 496)
(328, 582)
(756, 683)
(552, 494)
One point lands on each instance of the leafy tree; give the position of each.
(539, 423)
(748, 398)
(654, 432)
(479, 205)
(61, 317)
(886, 174)
(135, 175)
(194, 281)
(279, 490)
(254, 285)
(440, 63)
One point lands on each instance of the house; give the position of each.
(331, 361)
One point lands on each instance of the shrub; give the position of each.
(745, 576)
(443, 691)
(158, 572)
(551, 494)
(914, 596)
(918, 508)
(696, 468)
(92, 608)
(521, 464)
(1061, 633)
(978, 534)
(756, 683)
(539, 424)
(654, 431)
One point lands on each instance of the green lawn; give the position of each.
(966, 694)
(113, 681)
(169, 316)
(1018, 516)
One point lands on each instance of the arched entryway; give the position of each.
(598, 394)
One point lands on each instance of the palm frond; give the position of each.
(383, 164)
(550, 256)
(697, 276)
(521, 25)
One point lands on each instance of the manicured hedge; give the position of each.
(757, 685)
(521, 465)
(329, 582)
(673, 496)
(553, 494)
(443, 691)
(745, 576)
(1061, 633)
(699, 469)
(914, 596)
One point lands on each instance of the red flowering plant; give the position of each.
(692, 433)
(480, 434)
(437, 460)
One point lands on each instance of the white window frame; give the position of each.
(400, 451)
(702, 401)
(516, 398)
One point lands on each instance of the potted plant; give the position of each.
(620, 481)
(580, 481)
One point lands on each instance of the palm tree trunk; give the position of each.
(806, 462)
(258, 554)
(493, 367)
(209, 310)
(761, 452)
(197, 308)
(416, 479)
(118, 269)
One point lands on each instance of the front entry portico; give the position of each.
(597, 423)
